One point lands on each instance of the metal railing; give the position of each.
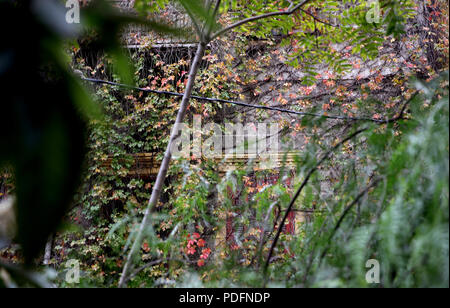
(138, 36)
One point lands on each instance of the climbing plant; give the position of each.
(372, 170)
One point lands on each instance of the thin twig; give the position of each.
(311, 258)
(137, 271)
(345, 213)
(318, 19)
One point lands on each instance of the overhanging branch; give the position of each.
(263, 16)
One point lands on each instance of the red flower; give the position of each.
(196, 235)
(201, 243)
(191, 250)
(200, 263)
(191, 243)
(146, 247)
(205, 253)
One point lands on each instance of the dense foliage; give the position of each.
(371, 172)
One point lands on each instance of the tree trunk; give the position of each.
(48, 250)
(157, 188)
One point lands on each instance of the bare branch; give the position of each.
(300, 189)
(315, 168)
(346, 211)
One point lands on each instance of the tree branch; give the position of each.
(318, 19)
(48, 250)
(256, 18)
(314, 169)
(346, 211)
(157, 188)
(300, 189)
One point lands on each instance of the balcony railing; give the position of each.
(138, 36)
(146, 164)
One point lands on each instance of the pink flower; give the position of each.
(191, 243)
(191, 250)
(200, 263)
(205, 253)
(201, 243)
